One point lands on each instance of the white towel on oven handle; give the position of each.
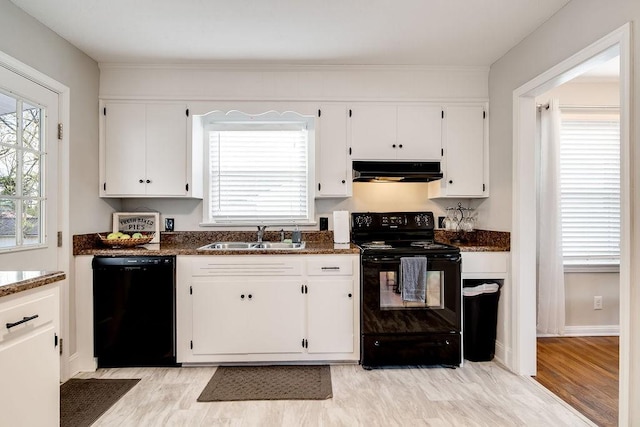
(413, 278)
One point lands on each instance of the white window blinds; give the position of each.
(590, 189)
(258, 172)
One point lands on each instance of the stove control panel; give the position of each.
(375, 221)
(393, 221)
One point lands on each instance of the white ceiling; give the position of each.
(319, 32)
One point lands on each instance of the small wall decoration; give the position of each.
(137, 222)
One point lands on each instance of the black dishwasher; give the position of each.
(134, 310)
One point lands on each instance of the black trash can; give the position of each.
(480, 320)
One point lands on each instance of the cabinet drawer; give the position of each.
(247, 265)
(484, 262)
(333, 266)
(21, 313)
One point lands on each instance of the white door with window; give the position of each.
(28, 174)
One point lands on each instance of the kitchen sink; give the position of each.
(281, 245)
(228, 246)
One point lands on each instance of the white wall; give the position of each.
(288, 83)
(24, 38)
(573, 28)
(380, 197)
(584, 94)
(580, 317)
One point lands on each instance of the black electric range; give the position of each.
(420, 327)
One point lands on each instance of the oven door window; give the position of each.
(430, 292)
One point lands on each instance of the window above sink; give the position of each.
(259, 168)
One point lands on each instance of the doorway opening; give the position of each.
(524, 243)
(578, 242)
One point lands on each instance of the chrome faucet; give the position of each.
(261, 232)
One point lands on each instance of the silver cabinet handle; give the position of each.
(330, 268)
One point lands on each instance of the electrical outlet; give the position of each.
(597, 303)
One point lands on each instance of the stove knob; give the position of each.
(418, 220)
(368, 220)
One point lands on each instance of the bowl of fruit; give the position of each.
(125, 240)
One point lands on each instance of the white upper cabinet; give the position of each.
(465, 154)
(333, 169)
(392, 132)
(419, 134)
(144, 150)
(373, 132)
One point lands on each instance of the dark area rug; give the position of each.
(82, 402)
(268, 383)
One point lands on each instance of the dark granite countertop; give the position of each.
(187, 243)
(317, 242)
(470, 247)
(477, 241)
(12, 282)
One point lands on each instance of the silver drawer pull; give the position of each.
(330, 268)
(20, 322)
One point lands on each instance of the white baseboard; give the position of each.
(502, 355)
(587, 331)
(77, 365)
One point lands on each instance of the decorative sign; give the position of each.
(137, 222)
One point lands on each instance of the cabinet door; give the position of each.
(219, 318)
(464, 151)
(419, 132)
(373, 132)
(166, 150)
(330, 315)
(124, 151)
(29, 370)
(333, 165)
(242, 317)
(276, 316)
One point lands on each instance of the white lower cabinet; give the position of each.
(29, 360)
(267, 308)
(330, 315)
(253, 316)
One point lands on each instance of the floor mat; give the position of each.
(268, 383)
(83, 401)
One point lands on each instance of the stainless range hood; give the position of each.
(386, 171)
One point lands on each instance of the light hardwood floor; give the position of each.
(478, 394)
